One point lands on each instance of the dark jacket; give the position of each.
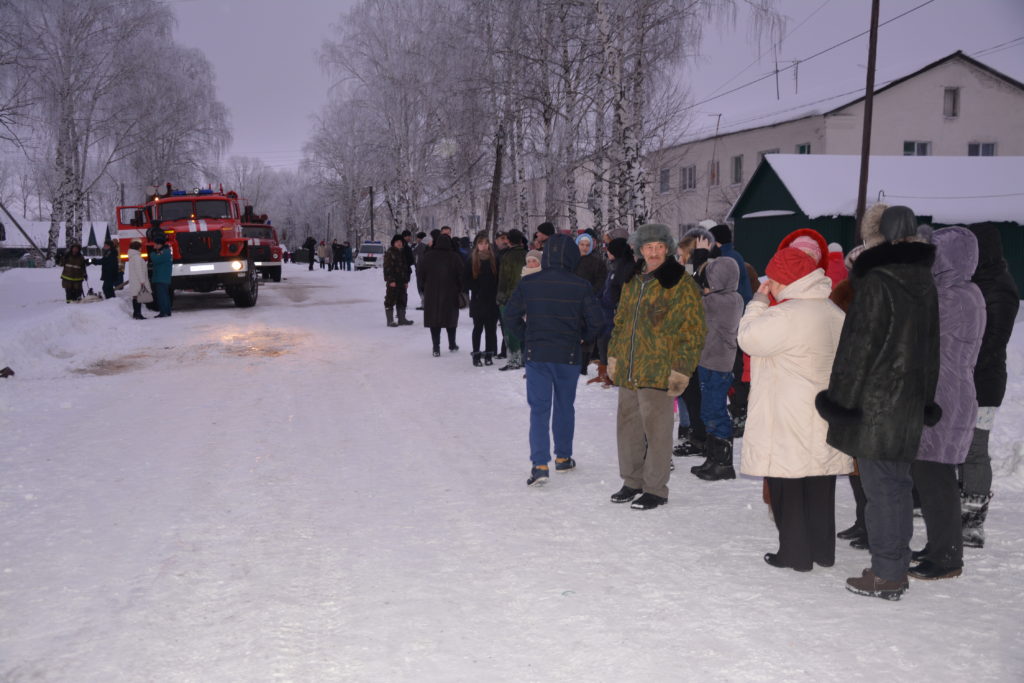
(1001, 303)
(73, 272)
(882, 388)
(620, 271)
(961, 323)
(744, 287)
(483, 304)
(395, 268)
(510, 271)
(592, 268)
(439, 276)
(560, 308)
(109, 267)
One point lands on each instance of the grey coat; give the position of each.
(723, 308)
(961, 326)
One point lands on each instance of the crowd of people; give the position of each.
(886, 365)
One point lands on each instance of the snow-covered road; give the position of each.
(295, 492)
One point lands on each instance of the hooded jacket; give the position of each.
(560, 308)
(723, 307)
(1001, 303)
(744, 287)
(961, 324)
(659, 327)
(791, 347)
(882, 387)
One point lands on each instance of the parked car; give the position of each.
(370, 255)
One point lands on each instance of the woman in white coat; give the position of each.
(791, 347)
(138, 286)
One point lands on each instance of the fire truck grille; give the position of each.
(198, 246)
(260, 252)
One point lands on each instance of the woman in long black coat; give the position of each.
(439, 275)
(481, 281)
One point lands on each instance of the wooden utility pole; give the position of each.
(865, 145)
(371, 213)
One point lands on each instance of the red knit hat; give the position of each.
(789, 265)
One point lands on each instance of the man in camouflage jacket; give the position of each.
(655, 345)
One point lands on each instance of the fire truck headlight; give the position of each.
(236, 265)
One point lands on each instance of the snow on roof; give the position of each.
(39, 231)
(950, 189)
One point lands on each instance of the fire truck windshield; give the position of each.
(184, 209)
(258, 232)
(212, 208)
(173, 211)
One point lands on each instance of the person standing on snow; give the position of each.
(481, 282)
(110, 269)
(138, 288)
(160, 261)
(440, 276)
(553, 311)
(593, 269)
(620, 269)
(510, 271)
(882, 390)
(396, 279)
(310, 246)
(792, 346)
(944, 446)
(655, 345)
(73, 273)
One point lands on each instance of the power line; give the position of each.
(807, 59)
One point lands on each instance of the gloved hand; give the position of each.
(677, 382)
(610, 369)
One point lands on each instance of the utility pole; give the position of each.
(714, 162)
(865, 145)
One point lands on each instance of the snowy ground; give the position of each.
(295, 492)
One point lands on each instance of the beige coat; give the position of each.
(138, 275)
(791, 347)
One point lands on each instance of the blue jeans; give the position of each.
(545, 381)
(162, 294)
(714, 400)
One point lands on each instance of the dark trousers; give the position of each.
(691, 397)
(435, 337)
(108, 289)
(162, 294)
(859, 499)
(977, 469)
(551, 393)
(804, 511)
(937, 487)
(889, 515)
(714, 398)
(490, 329)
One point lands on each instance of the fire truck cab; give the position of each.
(203, 229)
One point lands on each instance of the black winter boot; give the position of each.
(488, 358)
(720, 457)
(973, 511)
(390, 310)
(402, 320)
(477, 359)
(689, 443)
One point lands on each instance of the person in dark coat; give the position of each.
(396, 278)
(944, 445)
(510, 269)
(310, 246)
(620, 269)
(440, 277)
(72, 274)
(553, 311)
(1001, 303)
(110, 269)
(481, 282)
(591, 268)
(882, 389)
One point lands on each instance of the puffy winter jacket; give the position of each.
(791, 346)
(560, 309)
(723, 307)
(961, 324)
(659, 327)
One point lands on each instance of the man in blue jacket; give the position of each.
(160, 261)
(554, 311)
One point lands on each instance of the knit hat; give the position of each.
(546, 228)
(515, 236)
(809, 246)
(533, 253)
(652, 232)
(397, 238)
(619, 248)
(722, 233)
(897, 223)
(789, 265)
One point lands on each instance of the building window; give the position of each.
(761, 155)
(737, 170)
(914, 148)
(951, 103)
(713, 173)
(981, 149)
(663, 181)
(803, 148)
(688, 178)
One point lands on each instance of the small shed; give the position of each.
(819, 191)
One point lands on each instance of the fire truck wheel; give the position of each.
(245, 295)
(276, 277)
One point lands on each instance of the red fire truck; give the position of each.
(263, 245)
(203, 228)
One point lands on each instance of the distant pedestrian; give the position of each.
(72, 274)
(481, 282)
(110, 269)
(396, 279)
(138, 287)
(553, 311)
(160, 260)
(510, 272)
(440, 275)
(310, 246)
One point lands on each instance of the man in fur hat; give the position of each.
(656, 343)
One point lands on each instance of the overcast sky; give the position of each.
(264, 54)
